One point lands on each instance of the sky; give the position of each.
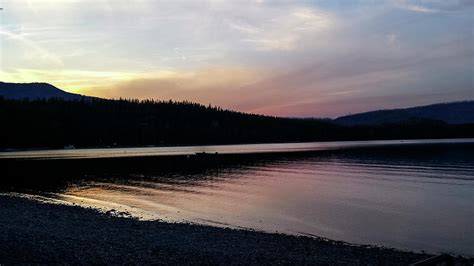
(283, 58)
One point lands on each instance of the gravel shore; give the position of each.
(37, 232)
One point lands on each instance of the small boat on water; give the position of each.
(206, 154)
(69, 147)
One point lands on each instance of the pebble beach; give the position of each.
(35, 232)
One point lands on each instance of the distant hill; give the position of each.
(35, 91)
(454, 113)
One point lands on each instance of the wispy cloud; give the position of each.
(433, 6)
(284, 29)
(35, 51)
(415, 8)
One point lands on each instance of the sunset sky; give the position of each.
(286, 58)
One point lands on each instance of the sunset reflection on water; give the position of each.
(421, 202)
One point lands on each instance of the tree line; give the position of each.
(55, 123)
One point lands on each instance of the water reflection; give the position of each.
(411, 197)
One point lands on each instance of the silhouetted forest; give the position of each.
(55, 123)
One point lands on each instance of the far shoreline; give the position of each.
(7, 151)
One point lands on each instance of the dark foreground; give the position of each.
(35, 232)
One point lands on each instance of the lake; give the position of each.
(411, 194)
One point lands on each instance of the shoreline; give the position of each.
(395, 141)
(39, 232)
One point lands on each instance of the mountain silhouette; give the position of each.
(35, 91)
(453, 113)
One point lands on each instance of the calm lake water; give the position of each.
(415, 195)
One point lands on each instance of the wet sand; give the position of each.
(38, 232)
